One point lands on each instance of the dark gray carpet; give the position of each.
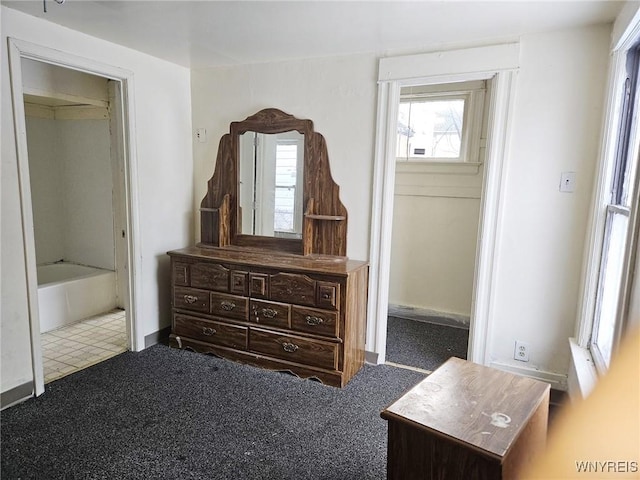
(171, 414)
(424, 345)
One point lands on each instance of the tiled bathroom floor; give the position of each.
(72, 348)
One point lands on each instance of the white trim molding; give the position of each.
(19, 49)
(556, 380)
(497, 63)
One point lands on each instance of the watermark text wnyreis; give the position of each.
(587, 466)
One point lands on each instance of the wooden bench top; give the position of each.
(478, 406)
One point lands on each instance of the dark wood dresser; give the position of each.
(277, 311)
(270, 284)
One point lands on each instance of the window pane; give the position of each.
(430, 128)
(610, 280)
(286, 162)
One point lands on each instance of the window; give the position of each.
(440, 123)
(285, 186)
(608, 320)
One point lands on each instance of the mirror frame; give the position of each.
(325, 217)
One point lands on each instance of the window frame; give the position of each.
(474, 94)
(620, 134)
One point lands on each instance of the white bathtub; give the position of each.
(68, 293)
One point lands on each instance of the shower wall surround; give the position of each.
(71, 190)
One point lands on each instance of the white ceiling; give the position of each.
(212, 33)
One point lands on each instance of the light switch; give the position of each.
(568, 182)
(201, 135)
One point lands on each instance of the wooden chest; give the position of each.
(466, 421)
(282, 312)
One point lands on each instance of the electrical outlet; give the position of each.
(201, 135)
(521, 351)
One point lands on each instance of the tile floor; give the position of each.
(74, 347)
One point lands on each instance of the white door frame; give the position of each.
(19, 49)
(499, 63)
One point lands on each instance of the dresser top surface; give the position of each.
(471, 404)
(269, 259)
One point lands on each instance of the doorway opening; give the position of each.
(75, 165)
(439, 174)
(75, 208)
(499, 64)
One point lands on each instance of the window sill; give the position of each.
(458, 168)
(582, 372)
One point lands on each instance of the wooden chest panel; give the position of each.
(294, 288)
(191, 299)
(211, 276)
(232, 306)
(294, 348)
(224, 334)
(270, 313)
(320, 322)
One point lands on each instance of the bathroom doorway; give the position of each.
(75, 167)
(73, 172)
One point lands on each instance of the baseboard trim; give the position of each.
(557, 380)
(371, 357)
(161, 336)
(429, 316)
(16, 395)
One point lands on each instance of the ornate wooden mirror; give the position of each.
(272, 189)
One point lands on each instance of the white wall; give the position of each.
(164, 181)
(46, 181)
(556, 127)
(338, 94)
(433, 253)
(43, 79)
(71, 191)
(84, 149)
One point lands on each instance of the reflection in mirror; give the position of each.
(270, 184)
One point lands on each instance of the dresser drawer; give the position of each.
(232, 306)
(320, 322)
(328, 295)
(270, 313)
(180, 273)
(293, 288)
(211, 276)
(293, 348)
(191, 299)
(223, 334)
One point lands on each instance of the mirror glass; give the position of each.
(270, 184)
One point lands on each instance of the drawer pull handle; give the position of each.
(269, 312)
(289, 347)
(208, 331)
(190, 298)
(228, 306)
(326, 296)
(314, 320)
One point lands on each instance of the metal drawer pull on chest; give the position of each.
(190, 298)
(228, 306)
(208, 331)
(289, 347)
(311, 320)
(269, 312)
